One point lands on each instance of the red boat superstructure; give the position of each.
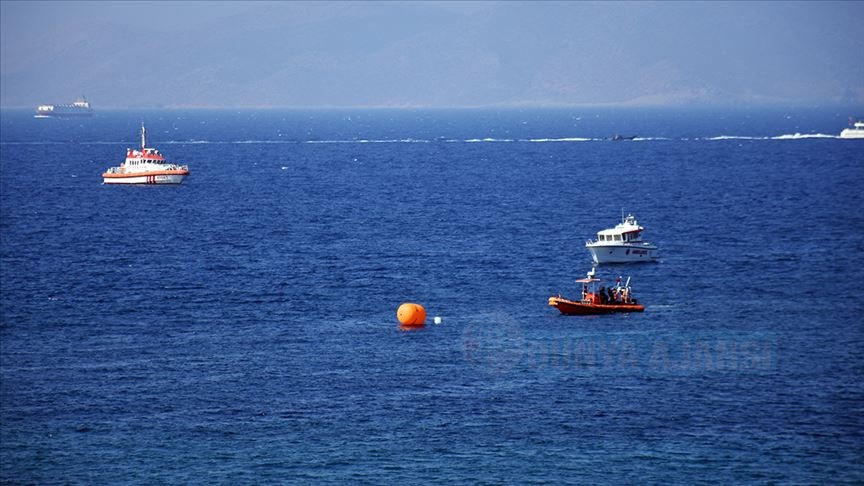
(145, 166)
(594, 301)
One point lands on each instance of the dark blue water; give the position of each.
(241, 327)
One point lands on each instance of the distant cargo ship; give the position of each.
(80, 107)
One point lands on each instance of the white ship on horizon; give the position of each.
(80, 107)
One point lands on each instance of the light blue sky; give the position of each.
(438, 54)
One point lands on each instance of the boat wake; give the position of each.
(568, 139)
(791, 136)
(802, 136)
(364, 140)
(733, 137)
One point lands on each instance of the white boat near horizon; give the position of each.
(857, 131)
(622, 244)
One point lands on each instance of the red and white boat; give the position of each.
(603, 301)
(145, 166)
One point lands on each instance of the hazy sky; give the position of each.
(300, 54)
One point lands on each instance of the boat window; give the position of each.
(617, 237)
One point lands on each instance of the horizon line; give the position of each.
(514, 105)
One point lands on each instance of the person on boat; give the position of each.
(611, 293)
(603, 296)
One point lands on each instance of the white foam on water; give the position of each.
(803, 136)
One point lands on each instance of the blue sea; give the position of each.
(241, 328)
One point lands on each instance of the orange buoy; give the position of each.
(410, 314)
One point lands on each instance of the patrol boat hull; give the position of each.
(143, 178)
(852, 133)
(573, 308)
(622, 253)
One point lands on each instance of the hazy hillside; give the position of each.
(440, 54)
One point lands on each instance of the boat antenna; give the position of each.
(143, 137)
(622, 214)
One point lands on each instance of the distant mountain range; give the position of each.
(432, 54)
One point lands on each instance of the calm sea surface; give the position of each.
(241, 328)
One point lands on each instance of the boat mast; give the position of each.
(143, 137)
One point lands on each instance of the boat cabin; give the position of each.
(612, 236)
(147, 156)
(626, 231)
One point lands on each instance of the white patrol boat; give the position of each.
(622, 244)
(857, 131)
(145, 166)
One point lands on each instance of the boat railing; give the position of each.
(172, 168)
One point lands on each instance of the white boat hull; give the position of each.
(146, 179)
(623, 253)
(852, 133)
